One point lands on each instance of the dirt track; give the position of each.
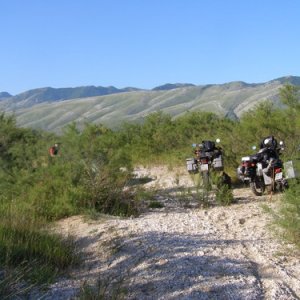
(184, 253)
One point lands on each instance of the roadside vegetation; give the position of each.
(93, 171)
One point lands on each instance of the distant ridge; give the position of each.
(170, 86)
(51, 109)
(4, 95)
(49, 94)
(293, 80)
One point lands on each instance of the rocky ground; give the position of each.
(181, 251)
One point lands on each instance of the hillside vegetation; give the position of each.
(51, 109)
(95, 164)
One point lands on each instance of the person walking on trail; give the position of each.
(53, 150)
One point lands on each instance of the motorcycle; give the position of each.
(264, 170)
(207, 158)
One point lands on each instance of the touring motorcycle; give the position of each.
(264, 170)
(207, 158)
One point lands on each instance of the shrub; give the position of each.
(224, 195)
(155, 204)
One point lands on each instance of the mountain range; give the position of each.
(52, 108)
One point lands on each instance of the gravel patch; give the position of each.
(177, 252)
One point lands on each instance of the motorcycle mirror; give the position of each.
(253, 147)
(218, 140)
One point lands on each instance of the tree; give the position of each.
(289, 95)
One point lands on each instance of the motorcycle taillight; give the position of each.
(204, 160)
(248, 164)
(277, 170)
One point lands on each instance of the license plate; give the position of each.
(204, 167)
(278, 176)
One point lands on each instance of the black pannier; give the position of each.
(208, 145)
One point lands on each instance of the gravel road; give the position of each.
(183, 252)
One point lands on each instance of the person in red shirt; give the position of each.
(53, 150)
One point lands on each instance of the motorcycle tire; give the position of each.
(258, 187)
(283, 185)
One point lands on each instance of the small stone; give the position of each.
(242, 221)
(162, 262)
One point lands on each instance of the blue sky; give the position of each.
(146, 43)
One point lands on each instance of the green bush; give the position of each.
(36, 189)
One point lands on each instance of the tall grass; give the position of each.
(289, 214)
(24, 236)
(23, 242)
(30, 255)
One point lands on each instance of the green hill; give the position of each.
(230, 99)
(49, 95)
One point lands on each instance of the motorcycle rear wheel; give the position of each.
(257, 186)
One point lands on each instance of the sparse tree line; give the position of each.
(95, 164)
